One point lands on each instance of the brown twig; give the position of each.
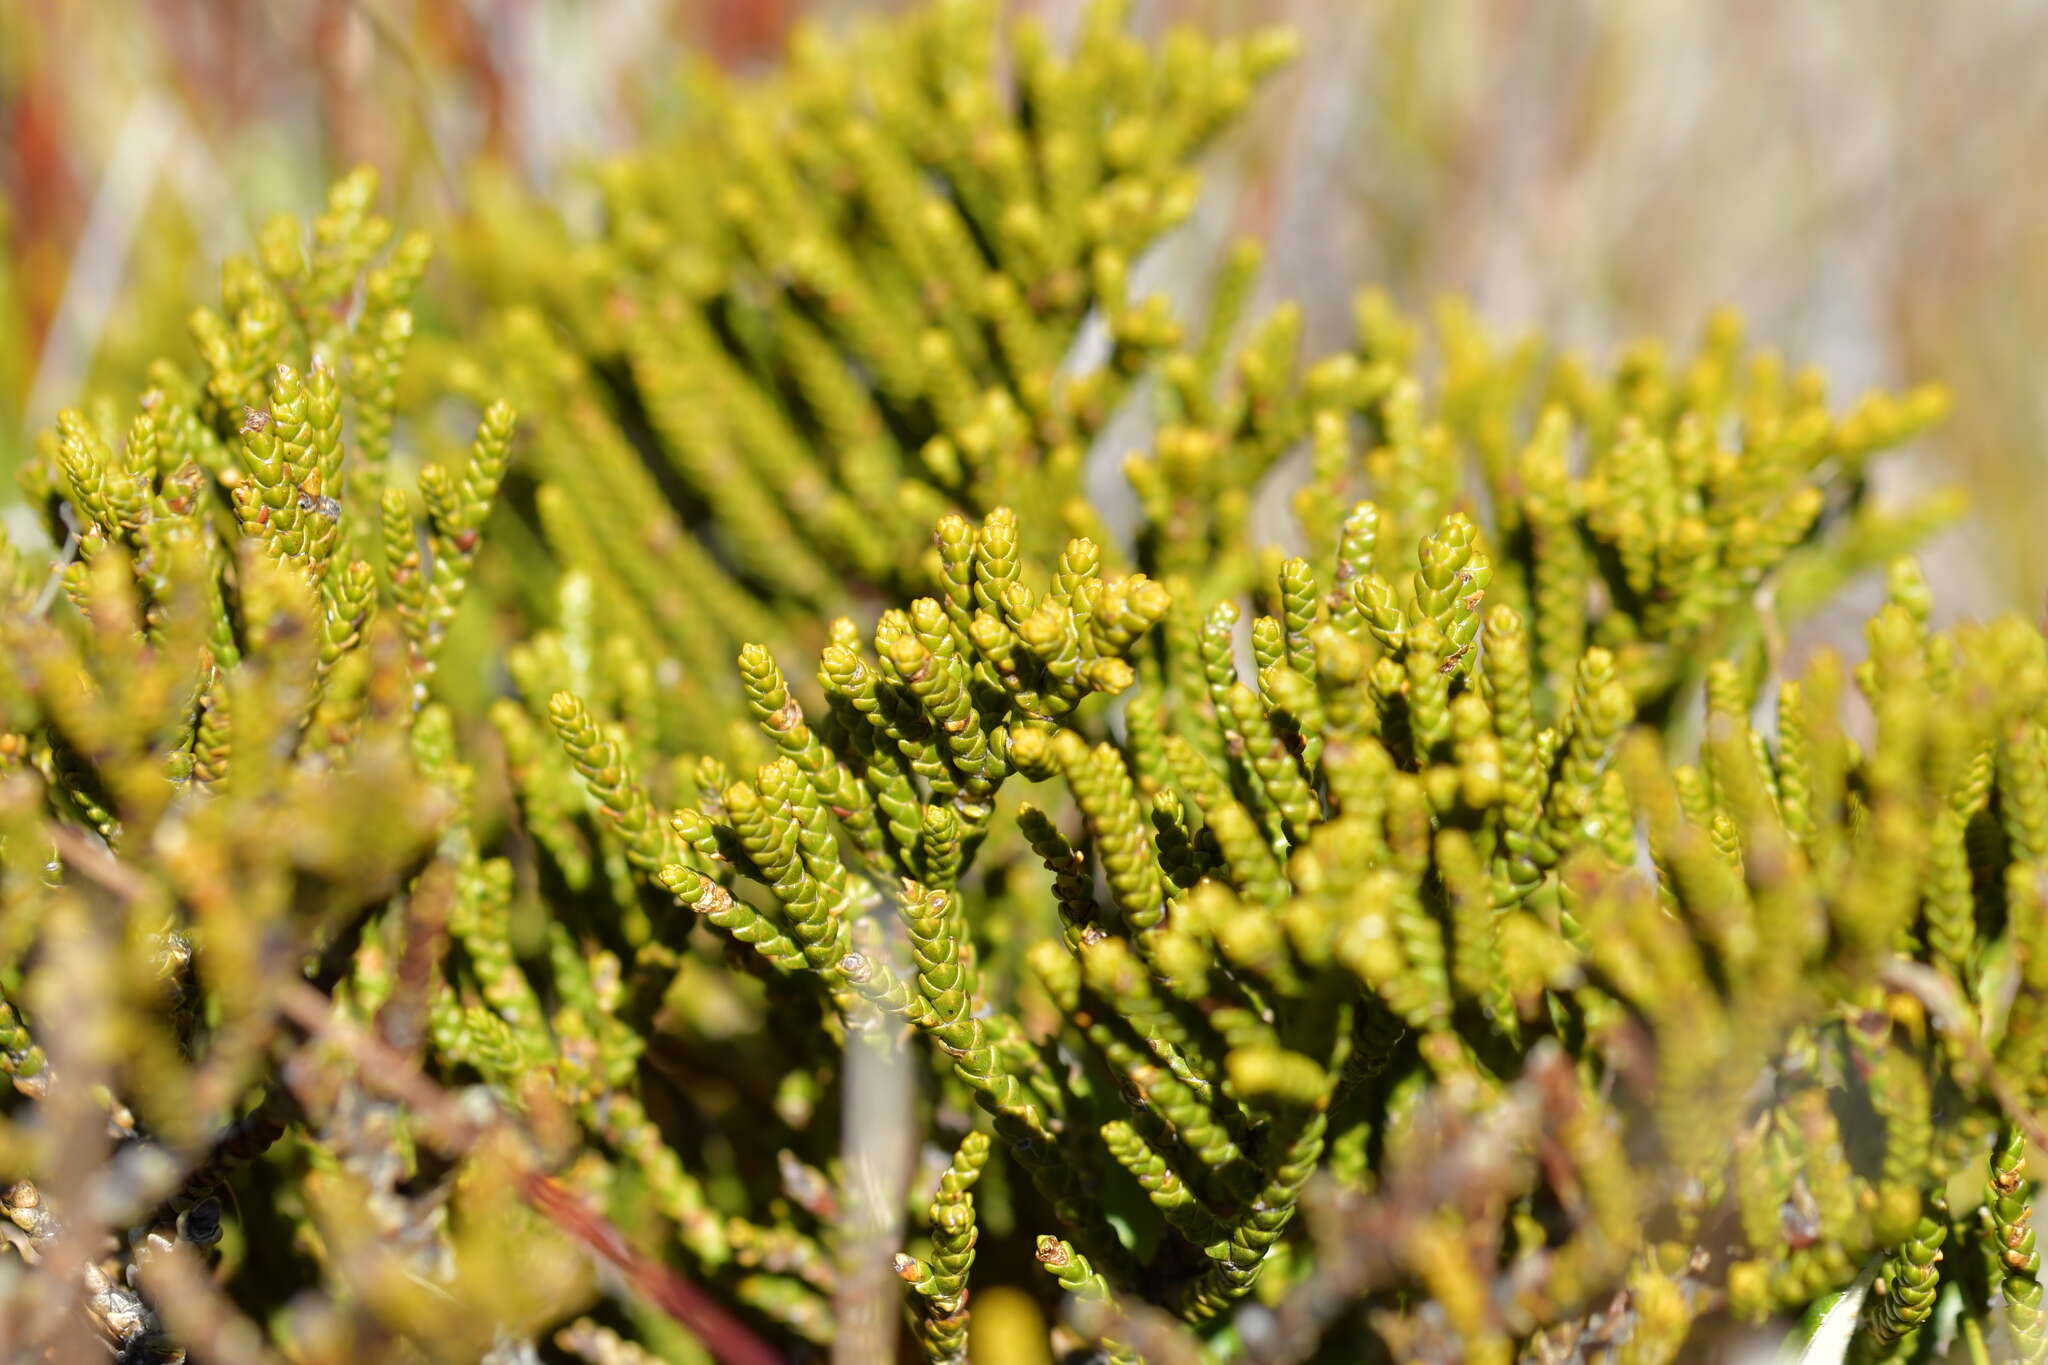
(205, 1322)
(97, 865)
(1357, 1237)
(401, 1022)
(455, 1130)
(1156, 1335)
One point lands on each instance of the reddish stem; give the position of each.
(728, 1339)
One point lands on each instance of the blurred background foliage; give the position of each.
(1855, 178)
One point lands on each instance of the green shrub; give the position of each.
(1465, 960)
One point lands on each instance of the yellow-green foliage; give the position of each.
(1493, 950)
(829, 307)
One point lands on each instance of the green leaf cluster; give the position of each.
(1461, 931)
